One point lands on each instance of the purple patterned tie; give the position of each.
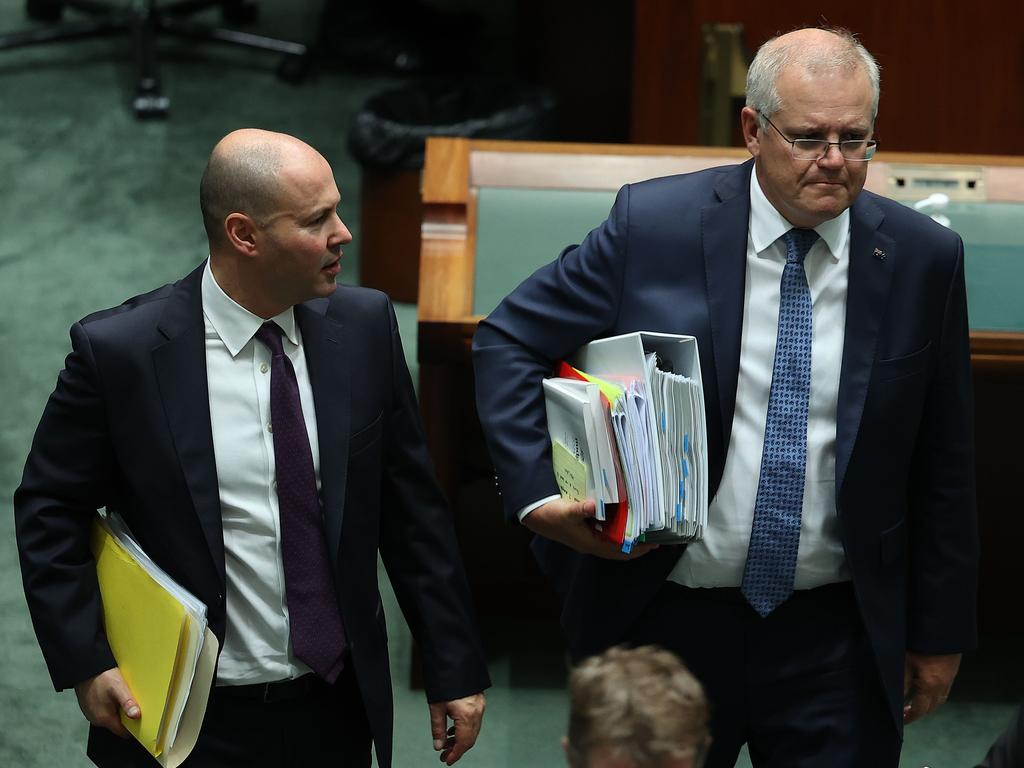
(775, 533)
(318, 638)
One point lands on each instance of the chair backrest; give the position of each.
(494, 211)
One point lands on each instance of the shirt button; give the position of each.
(264, 368)
(270, 427)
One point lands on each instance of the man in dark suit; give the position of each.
(256, 427)
(833, 591)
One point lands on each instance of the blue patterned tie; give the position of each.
(317, 635)
(775, 534)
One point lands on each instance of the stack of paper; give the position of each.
(158, 634)
(650, 392)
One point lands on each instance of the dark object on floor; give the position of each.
(398, 37)
(388, 138)
(145, 22)
(1007, 751)
(392, 127)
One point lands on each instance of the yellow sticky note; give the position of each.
(570, 472)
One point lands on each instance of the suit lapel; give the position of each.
(724, 232)
(323, 339)
(872, 254)
(180, 365)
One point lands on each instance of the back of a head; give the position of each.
(240, 177)
(637, 707)
(818, 52)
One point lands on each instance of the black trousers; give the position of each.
(799, 687)
(1007, 751)
(321, 726)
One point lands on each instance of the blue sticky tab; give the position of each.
(604, 476)
(600, 505)
(686, 468)
(663, 421)
(627, 546)
(686, 442)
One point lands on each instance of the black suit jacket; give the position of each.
(671, 257)
(128, 428)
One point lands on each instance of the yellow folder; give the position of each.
(147, 628)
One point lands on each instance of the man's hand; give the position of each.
(572, 523)
(466, 715)
(104, 697)
(926, 683)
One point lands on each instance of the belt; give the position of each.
(279, 690)
(734, 596)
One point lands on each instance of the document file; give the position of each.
(158, 634)
(650, 386)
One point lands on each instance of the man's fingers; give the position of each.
(583, 509)
(123, 697)
(465, 732)
(438, 717)
(919, 706)
(104, 697)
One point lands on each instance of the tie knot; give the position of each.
(798, 243)
(270, 334)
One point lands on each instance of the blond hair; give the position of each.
(641, 704)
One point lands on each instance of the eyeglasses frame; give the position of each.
(871, 145)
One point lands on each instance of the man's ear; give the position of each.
(751, 130)
(240, 231)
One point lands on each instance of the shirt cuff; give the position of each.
(522, 513)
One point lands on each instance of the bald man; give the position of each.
(834, 588)
(256, 427)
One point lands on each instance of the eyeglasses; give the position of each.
(856, 150)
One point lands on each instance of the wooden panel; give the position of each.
(389, 237)
(446, 236)
(951, 71)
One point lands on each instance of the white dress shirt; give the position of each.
(256, 643)
(719, 560)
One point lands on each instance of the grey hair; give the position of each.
(773, 57)
(239, 181)
(641, 704)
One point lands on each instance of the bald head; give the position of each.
(244, 175)
(814, 53)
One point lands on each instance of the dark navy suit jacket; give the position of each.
(128, 428)
(671, 257)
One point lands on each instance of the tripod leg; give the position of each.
(149, 100)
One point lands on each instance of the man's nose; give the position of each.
(832, 158)
(341, 231)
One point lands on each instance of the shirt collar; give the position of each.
(234, 323)
(767, 225)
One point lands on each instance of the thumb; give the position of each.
(585, 508)
(437, 724)
(125, 700)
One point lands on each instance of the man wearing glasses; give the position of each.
(833, 591)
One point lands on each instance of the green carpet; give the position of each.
(96, 207)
